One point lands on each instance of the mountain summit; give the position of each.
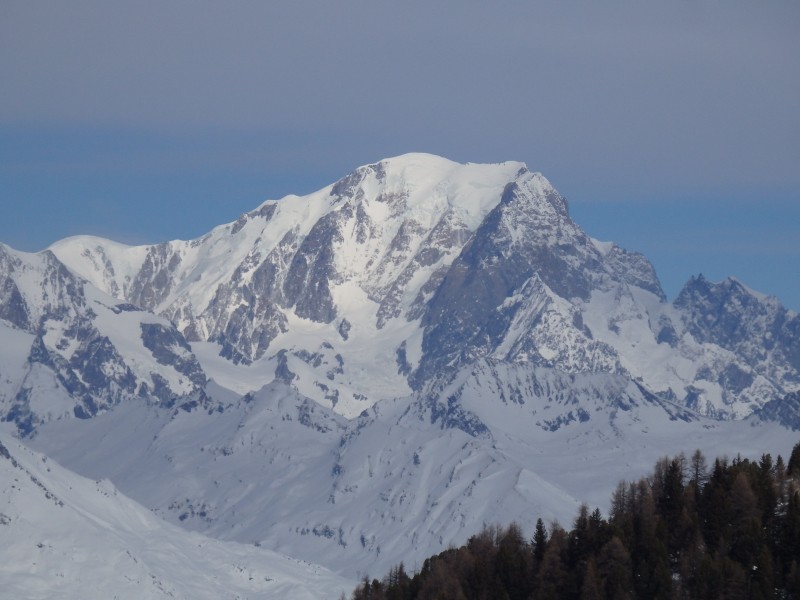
(404, 271)
(383, 284)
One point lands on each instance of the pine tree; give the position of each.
(510, 563)
(591, 587)
(551, 582)
(699, 476)
(614, 567)
(746, 533)
(579, 542)
(780, 480)
(793, 467)
(763, 583)
(539, 541)
(714, 505)
(790, 547)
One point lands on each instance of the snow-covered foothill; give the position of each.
(65, 536)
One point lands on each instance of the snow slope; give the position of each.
(64, 536)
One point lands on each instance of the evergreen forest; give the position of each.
(690, 530)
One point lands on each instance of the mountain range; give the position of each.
(368, 373)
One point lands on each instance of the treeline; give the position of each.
(687, 531)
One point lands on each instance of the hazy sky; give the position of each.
(673, 128)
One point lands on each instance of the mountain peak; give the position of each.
(417, 162)
(391, 277)
(724, 288)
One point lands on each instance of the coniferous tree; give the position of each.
(442, 584)
(732, 580)
(695, 570)
(780, 481)
(763, 581)
(791, 527)
(714, 513)
(614, 567)
(792, 583)
(619, 503)
(551, 582)
(745, 527)
(481, 566)
(511, 565)
(591, 586)
(579, 542)
(793, 467)
(699, 467)
(539, 541)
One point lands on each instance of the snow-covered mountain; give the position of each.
(371, 372)
(68, 537)
(393, 278)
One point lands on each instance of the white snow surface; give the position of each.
(65, 536)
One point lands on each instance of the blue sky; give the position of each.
(671, 128)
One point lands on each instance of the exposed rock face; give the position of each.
(169, 348)
(783, 410)
(68, 355)
(758, 330)
(525, 257)
(154, 280)
(311, 272)
(12, 305)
